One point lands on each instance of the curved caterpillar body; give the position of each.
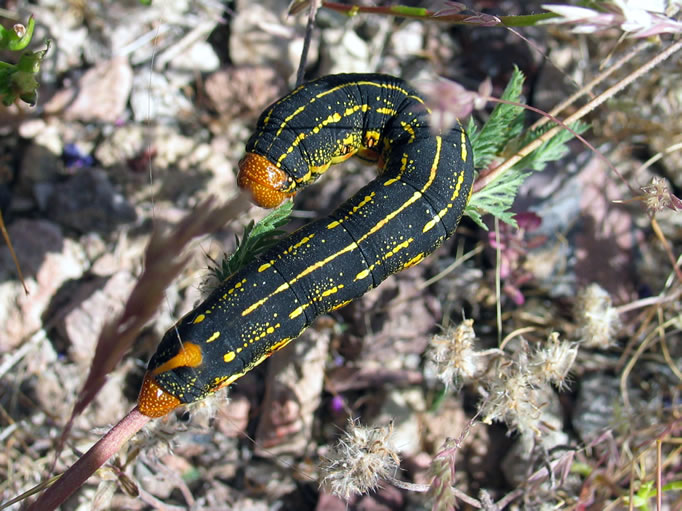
(391, 224)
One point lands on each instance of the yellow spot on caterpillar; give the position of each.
(286, 121)
(213, 337)
(275, 347)
(296, 312)
(403, 167)
(430, 224)
(460, 180)
(464, 146)
(199, 319)
(362, 275)
(415, 260)
(304, 241)
(366, 200)
(264, 267)
(229, 357)
(270, 330)
(386, 111)
(342, 304)
(188, 356)
(333, 290)
(282, 287)
(410, 129)
(397, 248)
(372, 139)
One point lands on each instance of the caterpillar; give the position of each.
(394, 222)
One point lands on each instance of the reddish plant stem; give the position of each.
(86, 465)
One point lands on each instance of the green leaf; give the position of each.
(16, 40)
(504, 124)
(501, 134)
(257, 238)
(18, 81)
(497, 198)
(554, 149)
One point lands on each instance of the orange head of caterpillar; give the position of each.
(154, 401)
(267, 183)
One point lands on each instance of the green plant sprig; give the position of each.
(502, 134)
(257, 238)
(17, 81)
(19, 37)
(447, 15)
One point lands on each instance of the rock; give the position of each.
(262, 35)
(155, 97)
(345, 51)
(403, 408)
(100, 95)
(40, 168)
(88, 202)
(595, 406)
(293, 391)
(409, 39)
(236, 91)
(199, 57)
(515, 464)
(91, 302)
(47, 260)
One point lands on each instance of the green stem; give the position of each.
(425, 14)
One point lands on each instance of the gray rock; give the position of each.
(88, 202)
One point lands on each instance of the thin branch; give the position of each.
(582, 112)
(86, 465)
(314, 6)
(426, 14)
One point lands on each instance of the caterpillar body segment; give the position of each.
(392, 223)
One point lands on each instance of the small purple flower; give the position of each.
(74, 158)
(338, 404)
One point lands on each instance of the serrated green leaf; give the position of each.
(505, 123)
(497, 198)
(257, 238)
(554, 149)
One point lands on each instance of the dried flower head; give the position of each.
(454, 355)
(658, 196)
(598, 320)
(512, 398)
(552, 362)
(360, 460)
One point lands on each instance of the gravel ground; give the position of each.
(143, 114)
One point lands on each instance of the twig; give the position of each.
(423, 488)
(86, 465)
(633, 360)
(424, 14)
(585, 89)
(314, 6)
(5, 235)
(594, 103)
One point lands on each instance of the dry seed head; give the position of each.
(597, 319)
(454, 355)
(552, 362)
(512, 399)
(360, 460)
(657, 195)
(442, 473)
